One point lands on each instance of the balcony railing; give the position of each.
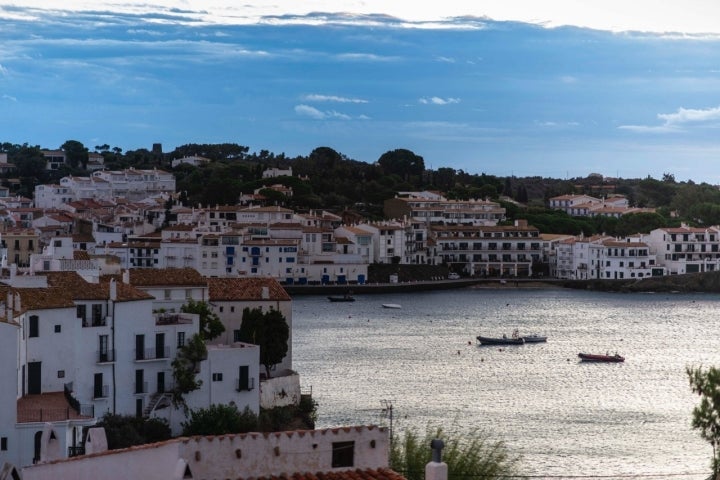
(152, 354)
(101, 391)
(107, 356)
(243, 386)
(76, 451)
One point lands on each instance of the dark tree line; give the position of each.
(327, 179)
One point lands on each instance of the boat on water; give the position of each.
(504, 340)
(534, 338)
(342, 298)
(594, 357)
(391, 305)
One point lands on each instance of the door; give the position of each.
(34, 378)
(161, 382)
(139, 347)
(139, 381)
(159, 345)
(103, 347)
(98, 385)
(244, 378)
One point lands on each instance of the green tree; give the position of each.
(220, 419)
(124, 431)
(76, 153)
(402, 162)
(706, 415)
(467, 456)
(270, 331)
(185, 366)
(210, 325)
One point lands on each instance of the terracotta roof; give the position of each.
(153, 277)
(81, 255)
(245, 289)
(368, 474)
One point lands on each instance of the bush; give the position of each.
(467, 456)
(219, 420)
(124, 431)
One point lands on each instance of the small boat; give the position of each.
(391, 305)
(534, 338)
(343, 298)
(593, 357)
(504, 340)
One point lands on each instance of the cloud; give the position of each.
(438, 101)
(312, 112)
(332, 98)
(9, 97)
(689, 115)
(675, 122)
(3, 71)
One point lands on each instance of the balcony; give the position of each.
(245, 385)
(76, 451)
(150, 354)
(106, 356)
(101, 391)
(172, 319)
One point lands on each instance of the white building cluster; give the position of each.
(78, 346)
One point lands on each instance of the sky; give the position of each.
(559, 88)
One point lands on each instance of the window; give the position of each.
(167, 294)
(58, 328)
(97, 320)
(181, 339)
(217, 377)
(232, 309)
(61, 373)
(3, 444)
(34, 327)
(236, 336)
(342, 454)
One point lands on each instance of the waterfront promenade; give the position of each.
(420, 285)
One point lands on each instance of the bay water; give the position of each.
(562, 417)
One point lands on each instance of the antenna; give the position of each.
(388, 412)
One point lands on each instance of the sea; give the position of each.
(420, 367)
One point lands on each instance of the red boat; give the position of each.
(592, 357)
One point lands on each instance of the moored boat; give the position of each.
(534, 338)
(504, 340)
(343, 298)
(594, 357)
(391, 305)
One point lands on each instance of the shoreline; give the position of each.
(418, 286)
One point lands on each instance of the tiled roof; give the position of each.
(245, 289)
(153, 277)
(368, 474)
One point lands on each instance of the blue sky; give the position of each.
(500, 89)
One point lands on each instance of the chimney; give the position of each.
(436, 469)
(265, 293)
(126, 276)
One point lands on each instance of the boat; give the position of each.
(534, 338)
(343, 298)
(391, 305)
(593, 357)
(504, 340)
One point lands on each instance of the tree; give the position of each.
(706, 415)
(467, 456)
(210, 325)
(185, 366)
(219, 419)
(270, 331)
(124, 431)
(402, 162)
(75, 153)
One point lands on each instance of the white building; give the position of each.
(686, 249)
(332, 454)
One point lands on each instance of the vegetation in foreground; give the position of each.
(706, 415)
(467, 456)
